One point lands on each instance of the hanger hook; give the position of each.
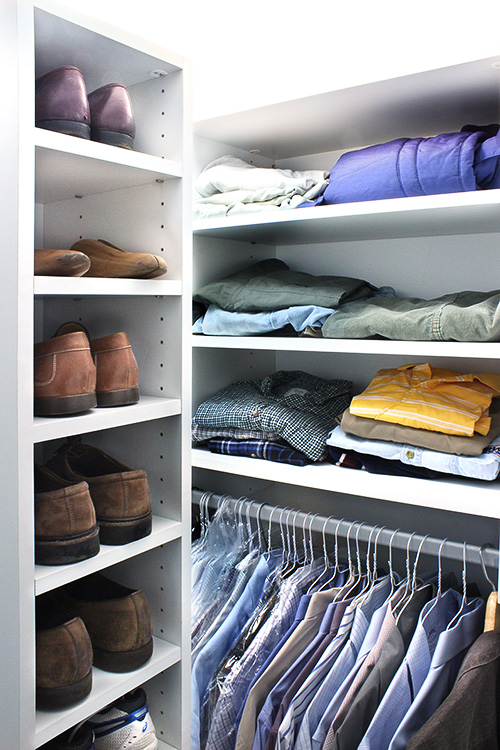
(269, 527)
(483, 564)
(391, 569)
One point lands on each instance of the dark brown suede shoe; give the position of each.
(60, 262)
(112, 117)
(61, 102)
(117, 382)
(117, 618)
(63, 656)
(66, 530)
(109, 261)
(65, 376)
(120, 494)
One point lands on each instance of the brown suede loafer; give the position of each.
(66, 529)
(109, 261)
(63, 656)
(60, 262)
(120, 494)
(117, 618)
(65, 376)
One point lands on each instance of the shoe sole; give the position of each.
(122, 661)
(124, 531)
(68, 127)
(66, 695)
(122, 397)
(55, 406)
(67, 550)
(112, 138)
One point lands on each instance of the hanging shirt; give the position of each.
(289, 652)
(446, 661)
(429, 398)
(210, 655)
(364, 611)
(434, 618)
(223, 727)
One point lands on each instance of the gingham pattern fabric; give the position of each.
(223, 729)
(268, 450)
(300, 407)
(200, 433)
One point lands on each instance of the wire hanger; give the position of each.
(325, 557)
(440, 583)
(456, 618)
(335, 568)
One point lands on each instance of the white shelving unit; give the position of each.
(423, 247)
(57, 189)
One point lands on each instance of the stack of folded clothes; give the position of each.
(230, 185)
(285, 417)
(268, 297)
(419, 420)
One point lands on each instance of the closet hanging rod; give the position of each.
(399, 539)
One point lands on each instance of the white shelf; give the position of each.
(149, 407)
(107, 687)
(422, 349)
(55, 286)
(457, 495)
(49, 577)
(423, 216)
(66, 166)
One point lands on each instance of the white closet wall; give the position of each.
(57, 189)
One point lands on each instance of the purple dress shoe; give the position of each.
(61, 102)
(112, 115)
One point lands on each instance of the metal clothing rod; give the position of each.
(398, 539)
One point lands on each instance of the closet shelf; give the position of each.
(66, 166)
(149, 407)
(49, 577)
(422, 216)
(107, 686)
(457, 495)
(421, 349)
(56, 286)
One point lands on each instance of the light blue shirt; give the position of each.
(211, 654)
(218, 322)
(448, 656)
(486, 466)
(313, 729)
(408, 680)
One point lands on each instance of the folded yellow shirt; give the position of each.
(429, 398)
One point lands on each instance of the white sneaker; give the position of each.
(125, 725)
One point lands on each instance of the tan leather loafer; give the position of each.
(65, 376)
(60, 262)
(110, 261)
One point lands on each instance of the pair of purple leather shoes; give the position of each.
(62, 104)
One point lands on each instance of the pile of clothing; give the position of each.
(285, 417)
(405, 167)
(419, 420)
(269, 298)
(230, 185)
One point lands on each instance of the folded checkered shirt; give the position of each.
(299, 407)
(267, 449)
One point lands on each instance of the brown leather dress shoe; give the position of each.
(60, 262)
(65, 376)
(66, 529)
(109, 261)
(117, 618)
(63, 656)
(120, 494)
